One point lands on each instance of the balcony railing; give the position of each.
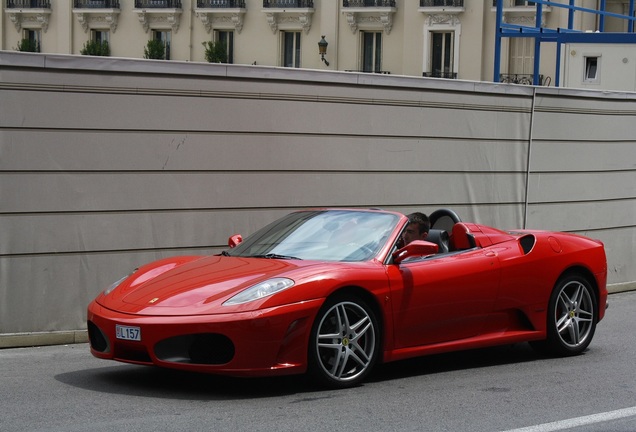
(525, 79)
(440, 74)
(278, 4)
(442, 3)
(96, 4)
(381, 72)
(514, 3)
(368, 3)
(28, 4)
(157, 4)
(224, 4)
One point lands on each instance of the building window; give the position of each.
(442, 54)
(100, 36)
(31, 40)
(591, 69)
(371, 51)
(291, 49)
(165, 37)
(226, 38)
(521, 60)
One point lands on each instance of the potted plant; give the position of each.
(96, 48)
(28, 45)
(215, 52)
(155, 49)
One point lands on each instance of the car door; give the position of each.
(443, 298)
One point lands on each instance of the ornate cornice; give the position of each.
(224, 17)
(92, 18)
(164, 18)
(380, 18)
(290, 18)
(33, 18)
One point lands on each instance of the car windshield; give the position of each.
(324, 235)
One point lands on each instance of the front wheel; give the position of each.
(572, 317)
(344, 344)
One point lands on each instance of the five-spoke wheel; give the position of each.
(344, 342)
(572, 316)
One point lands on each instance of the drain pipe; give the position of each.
(528, 157)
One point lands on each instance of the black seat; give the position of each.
(440, 238)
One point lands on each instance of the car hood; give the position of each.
(195, 287)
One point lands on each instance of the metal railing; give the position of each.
(213, 4)
(157, 4)
(525, 79)
(440, 74)
(376, 72)
(96, 4)
(368, 3)
(28, 4)
(515, 3)
(442, 3)
(288, 3)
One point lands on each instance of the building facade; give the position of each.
(435, 38)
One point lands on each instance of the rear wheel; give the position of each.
(344, 344)
(572, 317)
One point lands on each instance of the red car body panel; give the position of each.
(496, 293)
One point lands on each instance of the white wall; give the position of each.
(616, 66)
(108, 163)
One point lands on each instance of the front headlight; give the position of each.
(116, 284)
(258, 291)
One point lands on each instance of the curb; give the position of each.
(20, 340)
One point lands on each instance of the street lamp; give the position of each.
(322, 49)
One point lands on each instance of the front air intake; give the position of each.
(202, 348)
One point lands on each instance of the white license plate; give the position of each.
(128, 333)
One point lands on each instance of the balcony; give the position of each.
(440, 74)
(28, 4)
(94, 13)
(160, 14)
(157, 4)
(221, 12)
(381, 72)
(524, 79)
(368, 3)
(371, 14)
(284, 4)
(96, 4)
(33, 14)
(441, 6)
(295, 14)
(220, 4)
(519, 6)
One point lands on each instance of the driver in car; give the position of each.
(417, 229)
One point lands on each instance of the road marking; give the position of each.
(579, 421)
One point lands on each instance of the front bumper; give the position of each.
(265, 342)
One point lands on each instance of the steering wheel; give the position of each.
(438, 214)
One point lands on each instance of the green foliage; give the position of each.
(215, 52)
(95, 48)
(155, 49)
(28, 45)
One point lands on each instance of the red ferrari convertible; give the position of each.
(332, 292)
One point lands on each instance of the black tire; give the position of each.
(572, 317)
(345, 342)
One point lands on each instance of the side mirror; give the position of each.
(234, 240)
(417, 248)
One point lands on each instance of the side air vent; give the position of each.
(527, 243)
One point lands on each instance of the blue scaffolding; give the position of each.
(560, 35)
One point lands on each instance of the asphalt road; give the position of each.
(63, 388)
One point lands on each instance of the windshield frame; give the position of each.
(337, 235)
